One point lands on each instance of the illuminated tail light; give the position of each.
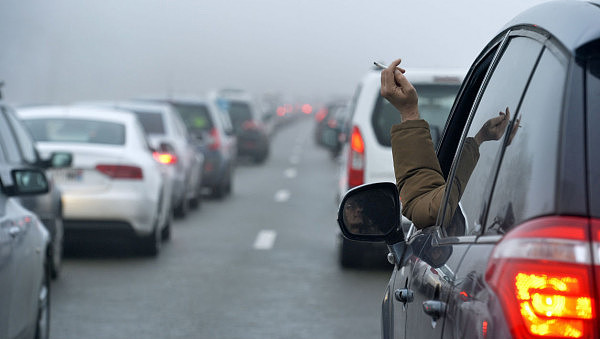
(121, 171)
(320, 115)
(543, 274)
(165, 158)
(215, 140)
(356, 159)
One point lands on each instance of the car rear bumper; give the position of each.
(101, 210)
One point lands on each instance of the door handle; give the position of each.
(14, 231)
(404, 295)
(434, 308)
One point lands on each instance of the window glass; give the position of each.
(471, 182)
(76, 131)
(196, 117)
(239, 112)
(11, 151)
(525, 185)
(435, 103)
(152, 122)
(26, 143)
(593, 113)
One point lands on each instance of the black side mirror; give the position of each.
(61, 159)
(371, 212)
(27, 182)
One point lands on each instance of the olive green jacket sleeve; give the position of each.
(418, 174)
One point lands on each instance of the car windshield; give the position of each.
(196, 117)
(152, 122)
(435, 102)
(77, 131)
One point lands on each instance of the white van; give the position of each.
(367, 156)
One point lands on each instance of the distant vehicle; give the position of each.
(323, 133)
(24, 244)
(20, 150)
(219, 147)
(516, 254)
(367, 156)
(168, 134)
(252, 138)
(336, 128)
(114, 184)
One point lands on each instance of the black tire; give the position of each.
(42, 330)
(182, 209)
(348, 255)
(166, 231)
(150, 244)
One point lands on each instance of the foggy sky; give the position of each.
(67, 50)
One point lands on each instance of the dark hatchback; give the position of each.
(519, 254)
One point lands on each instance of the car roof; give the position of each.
(585, 13)
(72, 111)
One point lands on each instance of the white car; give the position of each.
(114, 184)
(367, 156)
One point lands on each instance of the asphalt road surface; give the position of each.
(261, 263)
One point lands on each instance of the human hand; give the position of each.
(494, 128)
(399, 91)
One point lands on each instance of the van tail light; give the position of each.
(215, 140)
(543, 274)
(165, 158)
(120, 171)
(356, 159)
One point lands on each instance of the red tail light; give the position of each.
(321, 114)
(543, 274)
(120, 171)
(165, 158)
(215, 142)
(356, 159)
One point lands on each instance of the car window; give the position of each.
(435, 102)
(469, 189)
(525, 182)
(239, 112)
(196, 117)
(26, 143)
(152, 122)
(593, 110)
(8, 144)
(76, 131)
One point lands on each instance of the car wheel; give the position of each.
(166, 231)
(42, 330)
(150, 244)
(348, 255)
(182, 209)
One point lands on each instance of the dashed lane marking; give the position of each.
(282, 196)
(265, 240)
(290, 173)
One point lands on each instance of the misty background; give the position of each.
(69, 50)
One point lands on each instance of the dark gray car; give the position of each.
(517, 252)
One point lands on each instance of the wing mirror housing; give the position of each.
(27, 182)
(371, 212)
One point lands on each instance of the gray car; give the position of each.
(24, 241)
(219, 143)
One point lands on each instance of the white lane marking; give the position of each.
(265, 240)
(290, 173)
(294, 159)
(282, 196)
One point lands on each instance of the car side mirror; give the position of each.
(371, 212)
(61, 159)
(27, 182)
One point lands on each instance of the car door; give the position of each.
(509, 78)
(436, 287)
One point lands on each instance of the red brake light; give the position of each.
(321, 114)
(215, 143)
(356, 159)
(542, 273)
(165, 158)
(120, 171)
(307, 109)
